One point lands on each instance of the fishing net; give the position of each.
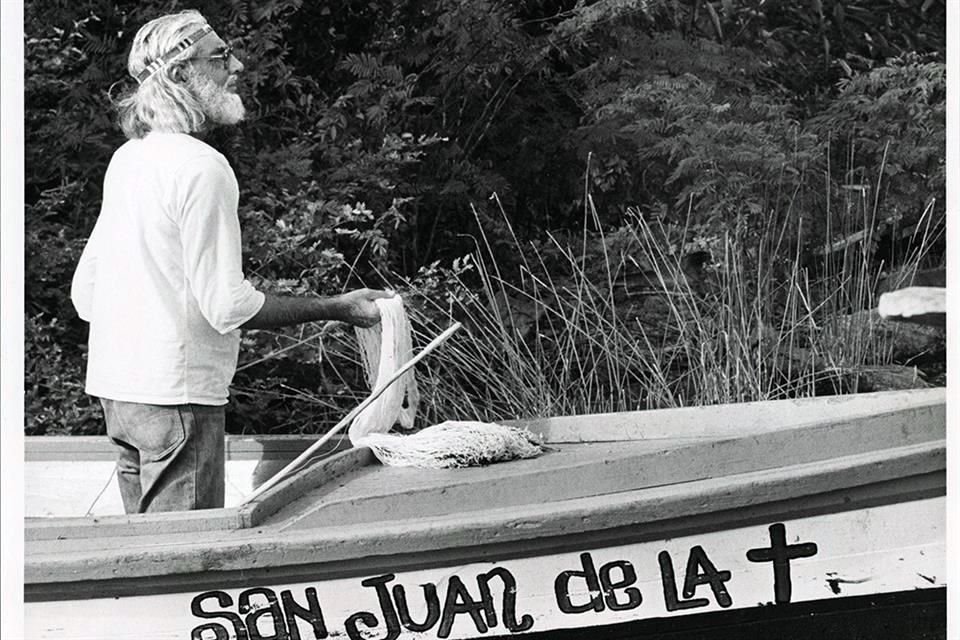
(385, 348)
(454, 444)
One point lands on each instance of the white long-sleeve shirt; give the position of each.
(160, 280)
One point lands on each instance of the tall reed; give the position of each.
(755, 323)
(619, 320)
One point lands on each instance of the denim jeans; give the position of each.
(171, 457)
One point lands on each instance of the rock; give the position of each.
(919, 305)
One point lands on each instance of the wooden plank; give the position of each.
(321, 474)
(690, 422)
(775, 563)
(53, 562)
(389, 494)
(238, 447)
(727, 420)
(131, 526)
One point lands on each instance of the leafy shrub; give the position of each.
(892, 117)
(378, 131)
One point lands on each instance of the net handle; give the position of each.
(280, 475)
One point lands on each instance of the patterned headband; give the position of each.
(177, 49)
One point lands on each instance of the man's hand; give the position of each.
(359, 308)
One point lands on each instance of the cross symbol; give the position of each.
(780, 554)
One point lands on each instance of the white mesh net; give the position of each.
(455, 444)
(384, 349)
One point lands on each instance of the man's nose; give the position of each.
(235, 65)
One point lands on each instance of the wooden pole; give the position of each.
(353, 413)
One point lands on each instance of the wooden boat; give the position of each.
(783, 519)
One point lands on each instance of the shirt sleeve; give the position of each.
(206, 203)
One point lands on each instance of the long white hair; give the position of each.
(160, 103)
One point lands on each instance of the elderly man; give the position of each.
(160, 279)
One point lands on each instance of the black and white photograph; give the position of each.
(463, 319)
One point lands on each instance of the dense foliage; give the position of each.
(379, 130)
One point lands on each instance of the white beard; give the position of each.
(220, 105)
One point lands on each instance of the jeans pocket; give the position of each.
(155, 430)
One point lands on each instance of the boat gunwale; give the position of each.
(873, 494)
(643, 509)
(717, 455)
(898, 424)
(236, 447)
(176, 522)
(679, 423)
(603, 427)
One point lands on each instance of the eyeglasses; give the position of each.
(224, 56)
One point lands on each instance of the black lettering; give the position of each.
(780, 554)
(509, 600)
(610, 588)
(223, 600)
(670, 597)
(272, 612)
(433, 607)
(311, 613)
(458, 601)
(716, 579)
(365, 618)
(368, 619)
(219, 632)
(561, 587)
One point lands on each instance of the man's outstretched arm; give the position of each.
(355, 308)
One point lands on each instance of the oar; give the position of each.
(353, 414)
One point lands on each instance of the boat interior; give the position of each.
(600, 473)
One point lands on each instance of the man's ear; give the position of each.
(178, 73)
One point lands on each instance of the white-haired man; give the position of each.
(160, 279)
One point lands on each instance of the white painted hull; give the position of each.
(866, 551)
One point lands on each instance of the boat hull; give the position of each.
(769, 571)
(774, 516)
